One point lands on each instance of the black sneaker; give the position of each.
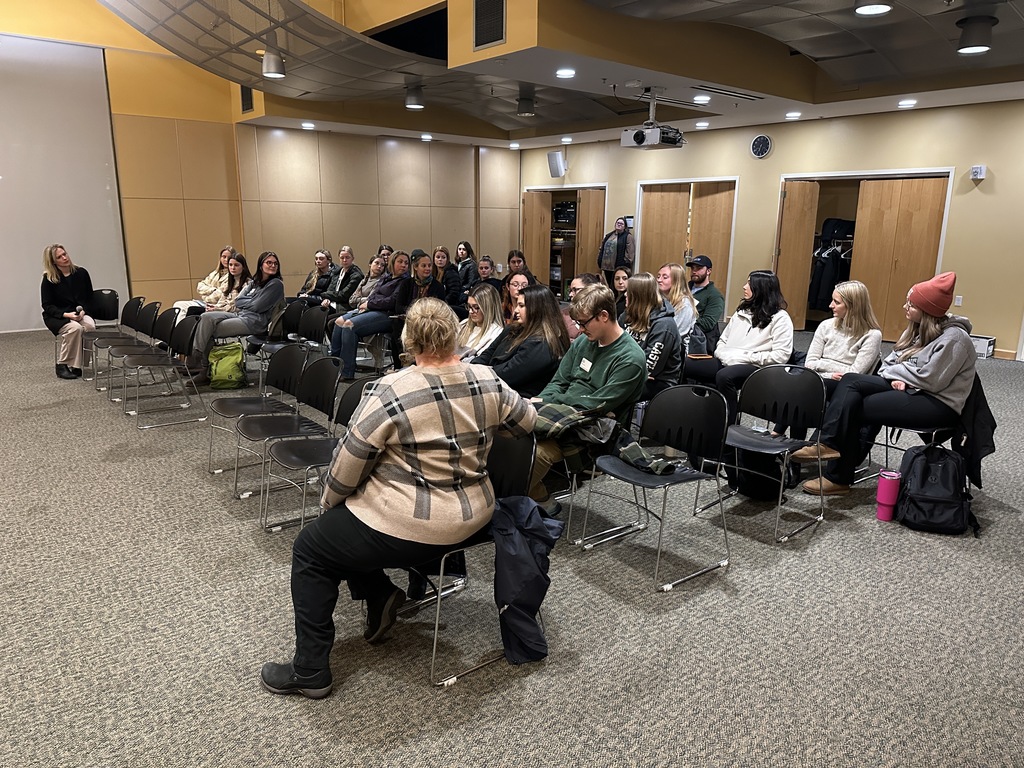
(64, 372)
(282, 679)
(380, 616)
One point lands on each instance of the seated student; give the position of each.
(516, 263)
(603, 370)
(618, 286)
(484, 323)
(344, 283)
(649, 319)
(207, 287)
(485, 269)
(361, 293)
(576, 285)
(319, 279)
(469, 275)
(760, 333)
(674, 288)
(419, 285)
(65, 294)
(510, 294)
(924, 381)
(239, 277)
(373, 316)
(409, 481)
(447, 274)
(254, 307)
(527, 352)
(848, 342)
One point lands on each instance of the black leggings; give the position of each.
(861, 405)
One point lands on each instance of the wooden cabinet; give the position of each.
(557, 250)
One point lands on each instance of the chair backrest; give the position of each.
(291, 318)
(510, 463)
(104, 305)
(313, 323)
(274, 332)
(146, 320)
(163, 329)
(690, 418)
(350, 399)
(319, 384)
(184, 333)
(790, 394)
(285, 368)
(130, 313)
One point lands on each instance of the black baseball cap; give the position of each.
(700, 261)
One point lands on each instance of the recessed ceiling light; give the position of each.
(792, 115)
(701, 99)
(906, 103)
(565, 73)
(514, 145)
(567, 139)
(308, 126)
(425, 137)
(870, 8)
(702, 125)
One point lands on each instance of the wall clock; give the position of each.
(760, 146)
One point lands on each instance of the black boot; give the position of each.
(77, 372)
(63, 372)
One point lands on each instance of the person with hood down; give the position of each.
(649, 319)
(924, 381)
(447, 274)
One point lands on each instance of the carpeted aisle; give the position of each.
(141, 600)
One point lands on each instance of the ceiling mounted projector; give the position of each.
(657, 137)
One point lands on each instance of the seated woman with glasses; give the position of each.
(409, 480)
(527, 352)
(484, 323)
(254, 306)
(510, 295)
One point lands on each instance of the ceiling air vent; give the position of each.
(488, 22)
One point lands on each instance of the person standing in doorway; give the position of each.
(617, 250)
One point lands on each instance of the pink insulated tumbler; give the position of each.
(888, 490)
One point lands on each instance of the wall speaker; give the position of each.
(556, 164)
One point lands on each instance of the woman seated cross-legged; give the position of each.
(924, 382)
(527, 353)
(409, 481)
(759, 333)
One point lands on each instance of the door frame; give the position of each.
(641, 183)
(570, 188)
(948, 171)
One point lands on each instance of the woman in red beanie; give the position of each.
(924, 382)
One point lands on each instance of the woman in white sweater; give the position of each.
(759, 333)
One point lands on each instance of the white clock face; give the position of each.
(760, 146)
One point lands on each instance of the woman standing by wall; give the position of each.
(617, 250)
(65, 294)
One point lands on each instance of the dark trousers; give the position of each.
(727, 379)
(861, 405)
(338, 547)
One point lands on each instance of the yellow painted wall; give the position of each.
(368, 16)
(520, 31)
(982, 244)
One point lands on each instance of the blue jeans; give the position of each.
(344, 340)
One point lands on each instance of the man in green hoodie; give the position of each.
(604, 369)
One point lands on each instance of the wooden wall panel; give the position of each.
(874, 241)
(796, 246)
(711, 210)
(155, 237)
(536, 234)
(355, 225)
(590, 205)
(288, 163)
(450, 225)
(404, 169)
(452, 175)
(209, 170)
(348, 169)
(147, 157)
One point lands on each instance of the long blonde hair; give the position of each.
(679, 293)
(490, 311)
(860, 316)
(919, 335)
(642, 298)
(50, 270)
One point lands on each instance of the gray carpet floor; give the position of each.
(141, 599)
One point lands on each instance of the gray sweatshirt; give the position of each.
(943, 369)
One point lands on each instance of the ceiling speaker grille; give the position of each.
(488, 22)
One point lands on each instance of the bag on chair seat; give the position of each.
(227, 367)
(934, 496)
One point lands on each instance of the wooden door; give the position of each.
(795, 246)
(711, 211)
(874, 242)
(536, 234)
(664, 213)
(916, 247)
(589, 228)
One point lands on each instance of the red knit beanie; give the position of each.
(934, 297)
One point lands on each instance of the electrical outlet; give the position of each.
(958, 301)
(500, 268)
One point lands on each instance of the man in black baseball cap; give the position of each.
(710, 302)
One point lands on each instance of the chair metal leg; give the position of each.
(616, 532)
(667, 587)
(778, 508)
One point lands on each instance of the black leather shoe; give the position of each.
(282, 679)
(381, 615)
(63, 372)
(77, 372)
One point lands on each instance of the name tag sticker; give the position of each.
(586, 365)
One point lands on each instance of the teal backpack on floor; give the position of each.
(227, 367)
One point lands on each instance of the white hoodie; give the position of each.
(741, 342)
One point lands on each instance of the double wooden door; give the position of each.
(537, 230)
(896, 244)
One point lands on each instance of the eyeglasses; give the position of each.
(582, 324)
(270, 263)
(518, 286)
(473, 307)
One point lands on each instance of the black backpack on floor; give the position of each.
(934, 496)
(759, 474)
